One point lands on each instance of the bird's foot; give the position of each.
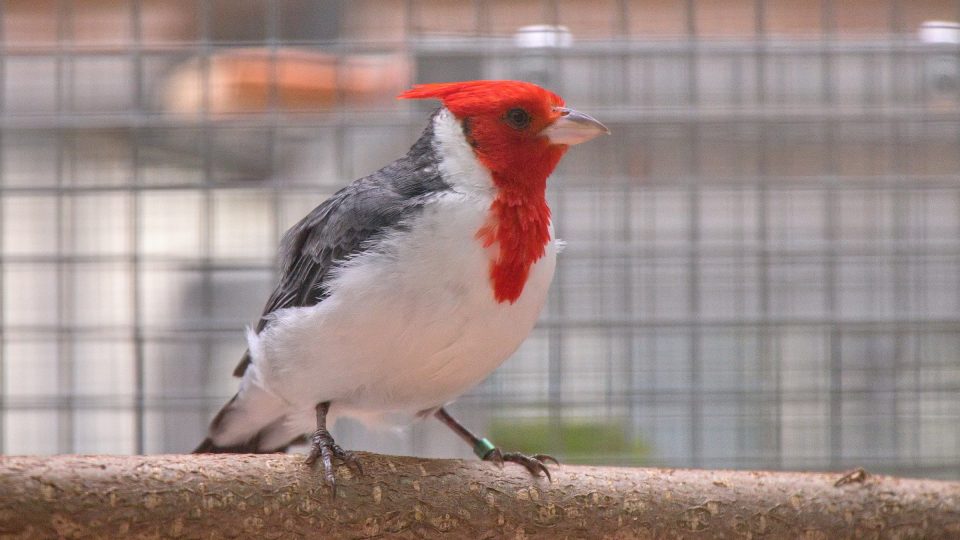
(536, 463)
(325, 449)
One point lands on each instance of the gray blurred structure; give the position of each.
(763, 262)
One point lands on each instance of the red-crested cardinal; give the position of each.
(409, 286)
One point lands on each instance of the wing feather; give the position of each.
(347, 224)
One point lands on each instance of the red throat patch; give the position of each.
(520, 232)
(519, 161)
(519, 219)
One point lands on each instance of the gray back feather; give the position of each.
(349, 223)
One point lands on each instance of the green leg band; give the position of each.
(483, 448)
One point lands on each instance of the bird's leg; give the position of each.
(325, 449)
(486, 451)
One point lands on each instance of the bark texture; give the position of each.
(277, 496)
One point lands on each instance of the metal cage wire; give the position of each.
(762, 262)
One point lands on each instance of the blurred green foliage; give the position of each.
(571, 441)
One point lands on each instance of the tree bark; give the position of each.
(274, 496)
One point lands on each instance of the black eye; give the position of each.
(518, 118)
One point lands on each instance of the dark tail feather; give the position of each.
(207, 447)
(252, 446)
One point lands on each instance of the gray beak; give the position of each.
(573, 127)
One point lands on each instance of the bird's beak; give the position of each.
(573, 127)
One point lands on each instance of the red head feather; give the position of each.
(519, 160)
(468, 98)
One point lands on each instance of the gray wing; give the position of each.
(331, 233)
(348, 223)
(339, 228)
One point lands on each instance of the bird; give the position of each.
(411, 285)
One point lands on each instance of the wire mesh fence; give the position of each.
(762, 263)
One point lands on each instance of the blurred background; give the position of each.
(763, 268)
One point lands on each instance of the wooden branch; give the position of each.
(273, 496)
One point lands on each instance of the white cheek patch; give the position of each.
(458, 163)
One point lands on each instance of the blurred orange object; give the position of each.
(259, 80)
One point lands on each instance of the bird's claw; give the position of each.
(349, 458)
(325, 449)
(547, 457)
(536, 463)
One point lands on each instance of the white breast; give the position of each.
(408, 327)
